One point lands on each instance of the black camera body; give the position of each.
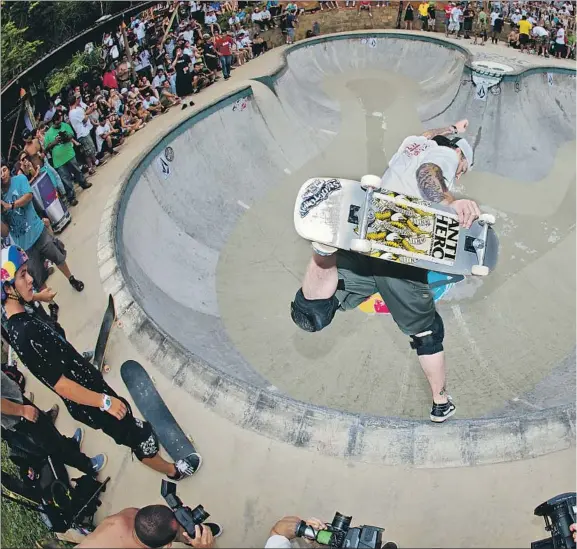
(559, 514)
(340, 534)
(64, 137)
(188, 518)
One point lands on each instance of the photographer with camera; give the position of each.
(59, 140)
(285, 530)
(156, 526)
(337, 533)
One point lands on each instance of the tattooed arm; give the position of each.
(458, 127)
(432, 184)
(449, 130)
(432, 187)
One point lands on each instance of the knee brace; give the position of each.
(430, 341)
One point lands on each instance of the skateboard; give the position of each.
(102, 341)
(364, 218)
(155, 411)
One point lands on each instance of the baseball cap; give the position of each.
(466, 149)
(58, 101)
(124, 90)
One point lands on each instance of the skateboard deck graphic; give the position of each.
(386, 225)
(103, 335)
(154, 410)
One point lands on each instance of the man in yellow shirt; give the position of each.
(424, 15)
(524, 30)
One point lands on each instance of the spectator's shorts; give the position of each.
(542, 41)
(291, 33)
(523, 39)
(46, 247)
(88, 145)
(560, 48)
(410, 301)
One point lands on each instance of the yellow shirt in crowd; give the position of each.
(423, 9)
(524, 26)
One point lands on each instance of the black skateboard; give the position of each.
(103, 335)
(155, 411)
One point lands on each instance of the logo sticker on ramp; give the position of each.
(481, 92)
(163, 166)
(550, 79)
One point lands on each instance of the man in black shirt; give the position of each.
(44, 350)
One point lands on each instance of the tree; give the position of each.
(81, 63)
(17, 52)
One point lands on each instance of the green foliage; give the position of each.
(17, 52)
(20, 527)
(80, 64)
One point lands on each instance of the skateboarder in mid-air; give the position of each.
(426, 166)
(44, 350)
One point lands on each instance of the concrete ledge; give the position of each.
(383, 440)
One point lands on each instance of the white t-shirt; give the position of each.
(141, 31)
(539, 31)
(560, 39)
(531, 20)
(246, 41)
(234, 20)
(158, 80)
(256, 16)
(494, 16)
(81, 128)
(516, 17)
(416, 150)
(188, 35)
(210, 19)
(194, 6)
(456, 15)
(100, 131)
(277, 542)
(143, 60)
(265, 15)
(150, 102)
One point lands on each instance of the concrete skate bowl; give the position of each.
(206, 260)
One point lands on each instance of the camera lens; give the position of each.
(199, 515)
(341, 522)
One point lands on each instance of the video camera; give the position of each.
(188, 518)
(559, 514)
(340, 534)
(64, 137)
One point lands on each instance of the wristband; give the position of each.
(454, 128)
(106, 403)
(11, 205)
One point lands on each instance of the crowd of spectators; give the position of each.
(542, 28)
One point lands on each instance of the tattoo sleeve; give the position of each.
(431, 182)
(449, 130)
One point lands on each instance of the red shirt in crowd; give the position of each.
(109, 80)
(223, 45)
(448, 9)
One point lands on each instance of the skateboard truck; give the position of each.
(477, 245)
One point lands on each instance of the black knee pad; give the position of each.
(312, 315)
(432, 342)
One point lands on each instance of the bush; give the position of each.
(81, 63)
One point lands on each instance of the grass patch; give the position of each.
(21, 527)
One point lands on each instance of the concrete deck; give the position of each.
(249, 480)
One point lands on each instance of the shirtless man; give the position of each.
(151, 526)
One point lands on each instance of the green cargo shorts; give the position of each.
(403, 288)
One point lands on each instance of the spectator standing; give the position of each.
(432, 15)
(448, 7)
(468, 16)
(424, 15)
(494, 15)
(515, 18)
(109, 80)
(143, 67)
(28, 231)
(59, 140)
(290, 24)
(570, 44)
(409, 17)
(455, 24)
(497, 28)
(482, 23)
(210, 53)
(560, 49)
(541, 36)
(80, 121)
(524, 32)
(223, 45)
(181, 64)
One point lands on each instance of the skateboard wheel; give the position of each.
(106, 368)
(487, 218)
(370, 182)
(361, 246)
(479, 270)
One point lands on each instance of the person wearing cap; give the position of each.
(45, 351)
(428, 166)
